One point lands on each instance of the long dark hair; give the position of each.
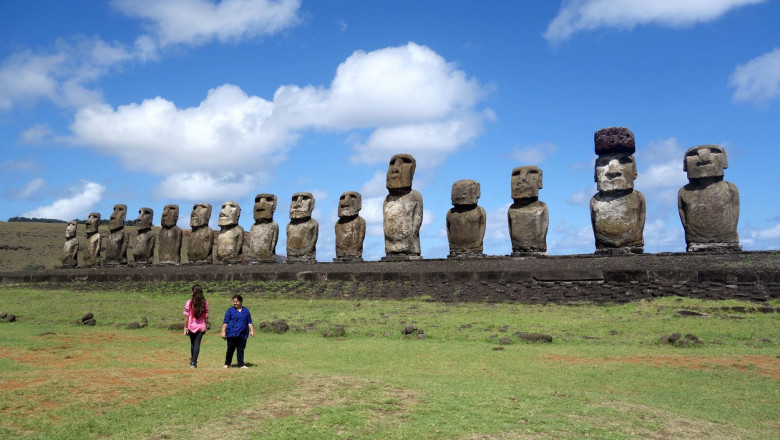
(198, 302)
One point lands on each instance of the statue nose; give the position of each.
(704, 156)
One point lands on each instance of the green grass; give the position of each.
(59, 380)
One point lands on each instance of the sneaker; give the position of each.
(243, 367)
(225, 366)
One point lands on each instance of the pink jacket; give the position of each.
(196, 324)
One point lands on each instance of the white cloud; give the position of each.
(583, 15)
(534, 154)
(409, 95)
(660, 165)
(758, 80)
(19, 165)
(82, 198)
(200, 21)
(579, 198)
(62, 74)
(35, 135)
(31, 188)
(205, 186)
(497, 226)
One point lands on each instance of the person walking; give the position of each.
(196, 312)
(236, 327)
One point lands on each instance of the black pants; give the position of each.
(237, 344)
(195, 338)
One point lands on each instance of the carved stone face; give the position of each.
(350, 204)
(144, 220)
(302, 205)
(229, 214)
(705, 161)
(117, 219)
(70, 230)
(170, 216)
(265, 206)
(465, 192)
(615, 172)
(93, 222)
(526, 182)
(400, 172)
(201, 213)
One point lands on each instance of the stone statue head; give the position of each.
(302, 205)
(201, 213)
(265, 206)
(117, 219)
(400, 171)
(144, 220)
(705, 161)
(615, 172)
(229, 214)
(70, 230)
(526, 182)
(93, 222)
(170, 216)
(465, 192)
(350, 204)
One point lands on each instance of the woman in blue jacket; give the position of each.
(236, 327)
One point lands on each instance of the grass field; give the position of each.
(605, 375)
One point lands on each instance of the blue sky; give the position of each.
(151, 102)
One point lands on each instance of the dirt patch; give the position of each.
(762, 365)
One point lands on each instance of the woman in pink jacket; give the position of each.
(196, 311)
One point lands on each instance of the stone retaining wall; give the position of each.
(753, 276)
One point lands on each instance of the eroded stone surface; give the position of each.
(617, 211)
(230, 240)
(528, 217)
(403, 210)
(264, 234)
(170, 237)
(118, 238)
(466, 221)
(143, 249)
(201, 239)
(708, 205)
(93, 240)
(302, 231)
(350, 228)
(70, 251)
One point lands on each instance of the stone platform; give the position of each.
(753, 276)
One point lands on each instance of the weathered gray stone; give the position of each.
(201, 238)
(264, 234)
(350, 228)
(170, 238)
(528, 217)
(617, 211)
(466, 221)
(302, 231)
(143, 249)
(230, 240)
(402, 211)
(70, 251)
(93, 240)
(118, 238)
(708, 205)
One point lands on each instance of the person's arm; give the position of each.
(224, 324)
(249, 323)
(251, 330)
(186, 317)
(224, 335)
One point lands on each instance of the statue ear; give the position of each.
(540, 178)
(633, 167)
(725, 159)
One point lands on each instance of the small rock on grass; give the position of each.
(534, 337)
(691, 313)
(334, 332)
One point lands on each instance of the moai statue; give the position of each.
(118, 238)
(708, 205)
(201, 238)
(302, 231)
(617, 211)
(143, 250)
(264, 234)
(528, 217)
(402, 211)
(466, 221)
(169, 248)
(230, 240)
(93, 240)
(70, 252)
(350, 228)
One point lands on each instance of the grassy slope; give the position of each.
(64, 381)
